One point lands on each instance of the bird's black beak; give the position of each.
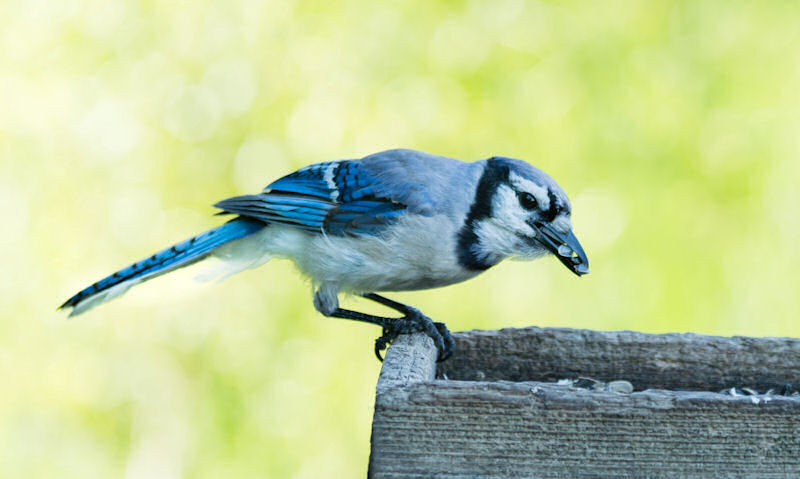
(564, 246)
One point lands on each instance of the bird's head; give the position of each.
(519, 211)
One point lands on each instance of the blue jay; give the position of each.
(397, 220)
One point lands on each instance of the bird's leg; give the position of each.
(391, 326)
(436, 330)
(413, 321)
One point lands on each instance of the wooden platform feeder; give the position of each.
(496, 409)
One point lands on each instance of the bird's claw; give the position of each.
(383, 342)
(449, 342)
(437, 331)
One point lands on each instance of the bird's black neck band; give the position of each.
(494, 174)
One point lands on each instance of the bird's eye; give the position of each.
(527, 201)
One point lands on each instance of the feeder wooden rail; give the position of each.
(500, 414)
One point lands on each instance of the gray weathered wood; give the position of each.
(649, 361)
(493, 427)
(411, 359)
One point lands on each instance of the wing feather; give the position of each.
(337, 198)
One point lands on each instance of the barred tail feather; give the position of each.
(177, 256)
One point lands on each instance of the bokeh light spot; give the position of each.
(193, 114)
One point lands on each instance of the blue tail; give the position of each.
(177, 256)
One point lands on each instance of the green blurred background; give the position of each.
(672, 125)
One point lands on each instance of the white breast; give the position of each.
(416, 252)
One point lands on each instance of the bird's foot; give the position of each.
(416, 322)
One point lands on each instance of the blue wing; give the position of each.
(337, 198)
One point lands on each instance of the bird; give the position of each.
(397, 220)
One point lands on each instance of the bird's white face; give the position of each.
(528, 221)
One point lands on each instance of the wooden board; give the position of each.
(509, 423)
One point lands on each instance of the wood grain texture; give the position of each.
(649, 361)
(410, 359)
(502, 429)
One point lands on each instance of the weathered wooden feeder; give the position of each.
(496, 408)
